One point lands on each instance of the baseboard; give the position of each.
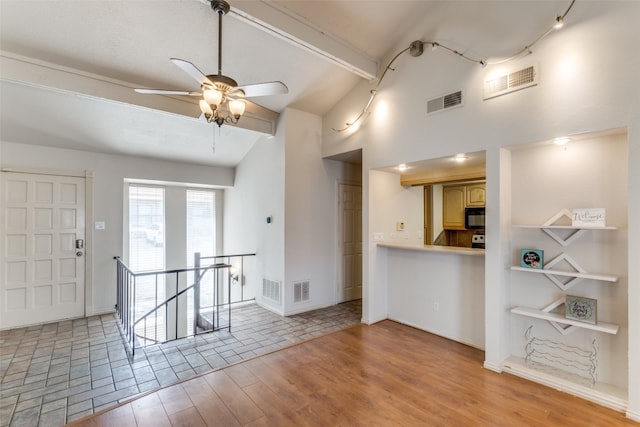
(633, 415)
(602, 394)
(372, 320)
(89, 311)
(492, 367)
(306, 309)
(271, 308)
(438, 333)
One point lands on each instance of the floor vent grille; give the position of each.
(518, 80)
(301, 291)
(271, 289)
(444, 102)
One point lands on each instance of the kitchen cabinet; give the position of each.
(476, 195)
(453, 203)
(457, 197)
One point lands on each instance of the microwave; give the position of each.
(474, 218)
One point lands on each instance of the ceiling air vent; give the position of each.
(508, 83)
(443, 102)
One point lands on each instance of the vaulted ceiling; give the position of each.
(68, 67)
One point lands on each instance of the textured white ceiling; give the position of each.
(132, 41)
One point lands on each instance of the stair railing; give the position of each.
(197, 299)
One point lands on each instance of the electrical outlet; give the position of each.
(378, 236)
(400, 226)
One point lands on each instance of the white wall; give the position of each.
(311, 202)
(110, 172)
(258, 193)
(396, 203)
(441, 293)
(285, 177)
(587, 82)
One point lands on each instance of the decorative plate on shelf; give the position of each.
(581, 308)
(531, 258)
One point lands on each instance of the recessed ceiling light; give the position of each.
(561, 141)
(402, 167)
(460, 158)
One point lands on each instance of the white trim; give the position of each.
(43, 171)
(633, 415)
(601, 394)
(88, 242)
(492, 367)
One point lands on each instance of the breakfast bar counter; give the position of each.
(439, 289)
(432, 248)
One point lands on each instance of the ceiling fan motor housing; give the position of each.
(220, 6)
(222, 82)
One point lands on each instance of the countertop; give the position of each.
(431, 248)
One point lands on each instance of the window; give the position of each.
(201, 237)
(146, 244)
(201, 223)
(146, 228)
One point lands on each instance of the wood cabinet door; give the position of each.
(453, 203)
(476, 195)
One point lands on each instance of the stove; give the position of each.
(477, 241)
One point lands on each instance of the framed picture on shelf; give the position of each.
(581, 308)
(531, 258)
(592, 217)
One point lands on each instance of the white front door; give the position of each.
(42, 226)
(350, 235)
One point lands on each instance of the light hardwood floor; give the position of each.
(386, 374)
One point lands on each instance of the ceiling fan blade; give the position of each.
(193, 71)
(167, 92)
(261, 89)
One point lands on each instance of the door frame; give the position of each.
(338, 252)
(88, 176)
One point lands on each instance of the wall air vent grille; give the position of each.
(512, 82)
(301, 291)
(443, 102)
(271, 289)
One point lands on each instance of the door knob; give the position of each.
(79, 253)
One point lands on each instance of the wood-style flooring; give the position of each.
(386, 374)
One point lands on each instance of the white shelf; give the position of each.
(565, 227)
(608, 328)
(594, 276)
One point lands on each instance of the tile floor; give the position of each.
(55, 373)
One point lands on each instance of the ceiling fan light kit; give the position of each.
(218, 90)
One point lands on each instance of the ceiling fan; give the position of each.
(218, 89)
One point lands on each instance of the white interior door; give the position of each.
(350, 235)
(42, 220)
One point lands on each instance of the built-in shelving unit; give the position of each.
(558, 321)
(582, 354)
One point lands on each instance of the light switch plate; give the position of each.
(99, 225)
